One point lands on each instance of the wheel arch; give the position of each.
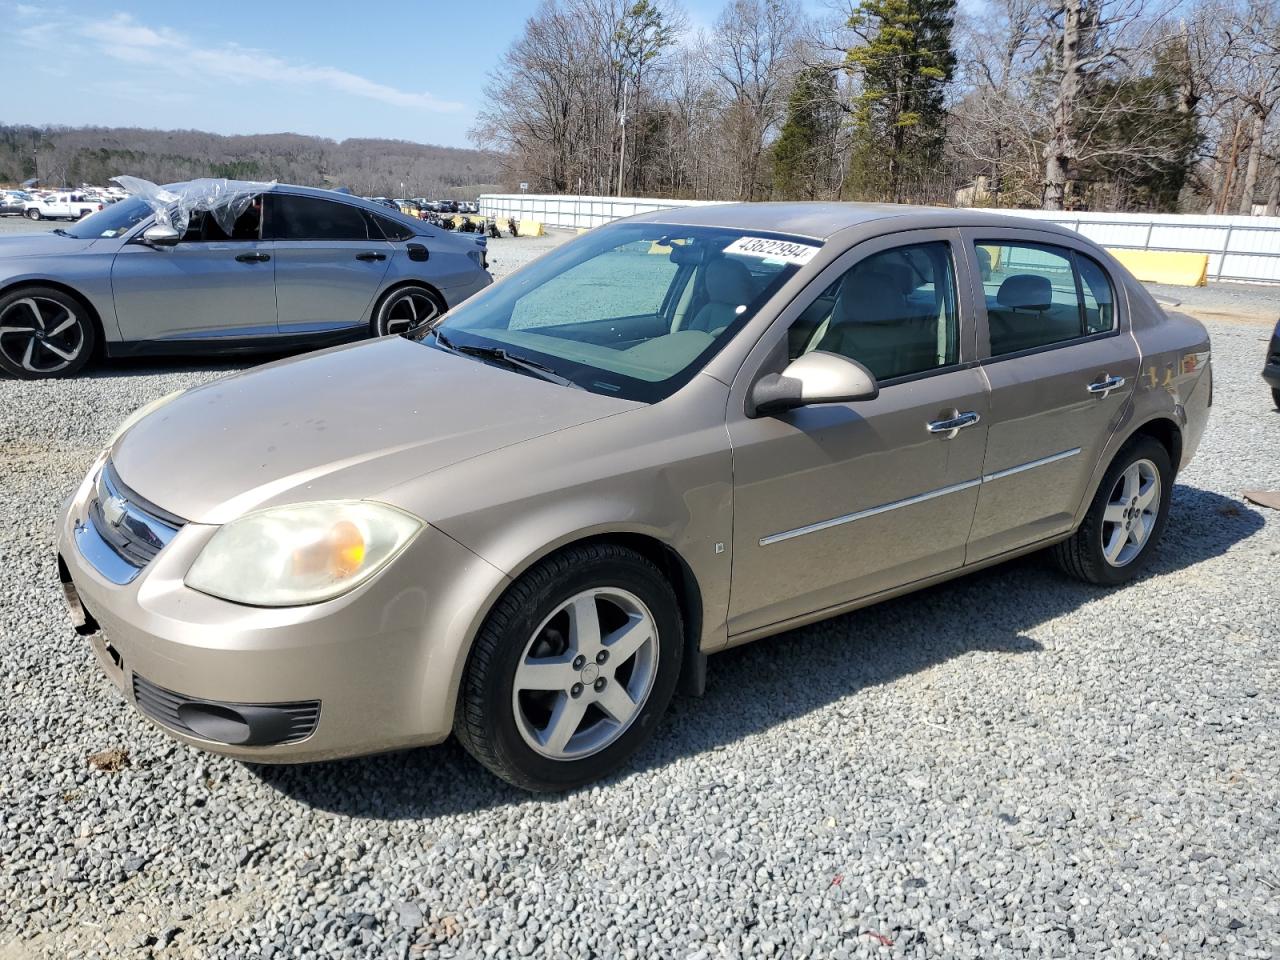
(666, 558)
(1161, 427)
(403, 284)
(94, 317)
(1165, 430)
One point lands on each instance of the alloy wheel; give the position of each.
(40, 335)
(585, 674)
(407, 311)
(1131, 513)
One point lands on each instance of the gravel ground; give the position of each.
(1008, 765)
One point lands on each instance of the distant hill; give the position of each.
(75, 155)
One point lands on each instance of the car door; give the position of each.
(1054, 342)
(208, 286)
(330, 261)
(841, 501)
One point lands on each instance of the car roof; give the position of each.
(820, 220)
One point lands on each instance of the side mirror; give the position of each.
(159, 235)
(816, 377)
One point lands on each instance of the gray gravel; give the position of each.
(1008, 765)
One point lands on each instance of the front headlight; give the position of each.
(141, 412)
(303, 553)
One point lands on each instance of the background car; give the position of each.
(1271, 371)
(301, 268)
(13, 203)
(61, 206)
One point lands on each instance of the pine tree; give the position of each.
(904, 63)
(802, 151)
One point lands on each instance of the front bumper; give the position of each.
(381, 663)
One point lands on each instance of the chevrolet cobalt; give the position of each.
(530, 523)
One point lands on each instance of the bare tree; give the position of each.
(752, 55)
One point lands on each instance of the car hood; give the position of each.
(345, 423)
(39, 245)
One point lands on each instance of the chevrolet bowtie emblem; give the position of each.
(114, 508)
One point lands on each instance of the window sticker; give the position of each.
(778, 251)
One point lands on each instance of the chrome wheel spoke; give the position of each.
(64, 325)
(1119, 537)
(584, 625)
(1148, 494)
(34, 307)
(564, 723)
(546, 674)
(617, 703)
(1114, 513)
(30, 352)
(58, 351)
(624, 642)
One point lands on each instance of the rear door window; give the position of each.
(1040, 294)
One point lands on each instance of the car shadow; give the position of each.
(759, 685)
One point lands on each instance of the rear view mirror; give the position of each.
(816, 377)
(160, 235)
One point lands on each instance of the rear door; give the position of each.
(330, 261)
(1054, 342)
(207, 286)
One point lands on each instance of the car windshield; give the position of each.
(112, 221)
(632, 309)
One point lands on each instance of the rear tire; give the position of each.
(405, 310)
(1126, 519)
(599, 625)
(48, 334)
(1275, 396)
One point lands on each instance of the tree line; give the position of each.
(59, 156)
(1157, 105)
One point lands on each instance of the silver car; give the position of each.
(674, 434)
(300, 268)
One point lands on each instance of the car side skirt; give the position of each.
(235, 345)
(827, 613)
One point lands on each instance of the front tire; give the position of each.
(1275, 396)
(44, 334)
(1126, 519)
(572, 669)
(33, 214)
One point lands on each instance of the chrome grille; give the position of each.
(135, 529)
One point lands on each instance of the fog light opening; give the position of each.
(215, 722)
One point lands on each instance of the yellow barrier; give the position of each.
(530, 228)
(1165, 266)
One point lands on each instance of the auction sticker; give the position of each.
(785, 251)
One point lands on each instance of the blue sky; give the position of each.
(407, 70)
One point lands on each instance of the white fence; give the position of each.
(1239, 248)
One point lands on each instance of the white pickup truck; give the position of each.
(60, 206)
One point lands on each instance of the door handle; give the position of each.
(370, 257)
(950, 426)
(1106, 385)
(253, 257)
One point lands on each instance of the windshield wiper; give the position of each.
(508, 359)
(60, 232)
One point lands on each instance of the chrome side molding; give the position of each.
(919, 498)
